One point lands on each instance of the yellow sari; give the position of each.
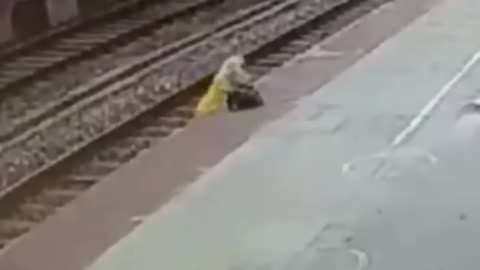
(212, 101)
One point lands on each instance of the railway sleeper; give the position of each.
(118, 28)
(34, 212)
(79, 42)
(258, 70)
(12, 228)
(292, 50)
(35, 58)
(117, 154)
(24, 65)
(138, 140)
(33, 206)
(173, 121)
(270, 62)
(50, 58)
(302, 42)
(155, 131)
(96, 167)
(318, 33)
(142, 142)
(127, 150)
(102, 168)
(59, 197)
(75, 47)
(56, 55)
(280, 57)
(100, 35)
(86, 179)
(185, 112)
(138, 20)
(132, 23)
(13, 74)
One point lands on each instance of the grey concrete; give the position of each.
(282, 200)
(61, 10)
(6, 32)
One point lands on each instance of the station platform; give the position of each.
(248, 208)
(308, 191)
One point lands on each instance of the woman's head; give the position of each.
(235, 61)
(231, 64)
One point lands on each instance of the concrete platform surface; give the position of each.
(360, 175)
(78, 233)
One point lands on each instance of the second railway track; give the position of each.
(38, 96)
(52, 53)
(96, 136)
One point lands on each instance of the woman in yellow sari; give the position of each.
(230, 73)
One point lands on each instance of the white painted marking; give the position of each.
(347, 167)
(431, 157)
(362, 258)
(434, 102)
(424, 113)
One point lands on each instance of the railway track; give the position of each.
(39, 96)
(18, 68)
(124, 8)
(30, 150)
(151, 102)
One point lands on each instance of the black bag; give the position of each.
(244, 100)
